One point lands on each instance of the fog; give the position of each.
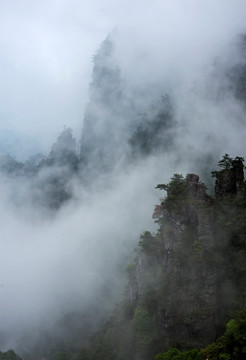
(46, 52)
(73, 259)
(70, 261)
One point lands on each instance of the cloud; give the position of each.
(46, 52)
(62, 264)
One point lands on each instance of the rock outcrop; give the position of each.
(187, 277)
(230, 180)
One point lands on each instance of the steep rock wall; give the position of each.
(190, 276)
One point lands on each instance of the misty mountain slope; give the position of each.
(188, 279)
(123, 124)
(113, 129)
(63, 151)
(9, 165)
(103, 129)
(55, 175)
(156, 132)
(44, 182)
(68, 261)
(236, 72)
(200, 117)
(225, 83)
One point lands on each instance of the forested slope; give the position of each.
(189, 278)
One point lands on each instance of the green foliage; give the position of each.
(176, 192)
(226, 164)
(9, 355)
(62, 355)
(232, 345)
(149, 243)
(82, 355)
(175, 354)
(144, 326)
(175, 187)
(130, 268)
(236, 329)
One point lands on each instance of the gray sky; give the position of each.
(47, 47)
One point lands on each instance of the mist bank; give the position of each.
(195, 111)
(72, 217)
(57, 269)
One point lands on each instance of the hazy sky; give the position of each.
(46, 50)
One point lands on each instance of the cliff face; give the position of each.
(187, 317)
(230, 181)
(190, 277)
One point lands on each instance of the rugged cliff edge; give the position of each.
(189, 278)
(196, 260)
